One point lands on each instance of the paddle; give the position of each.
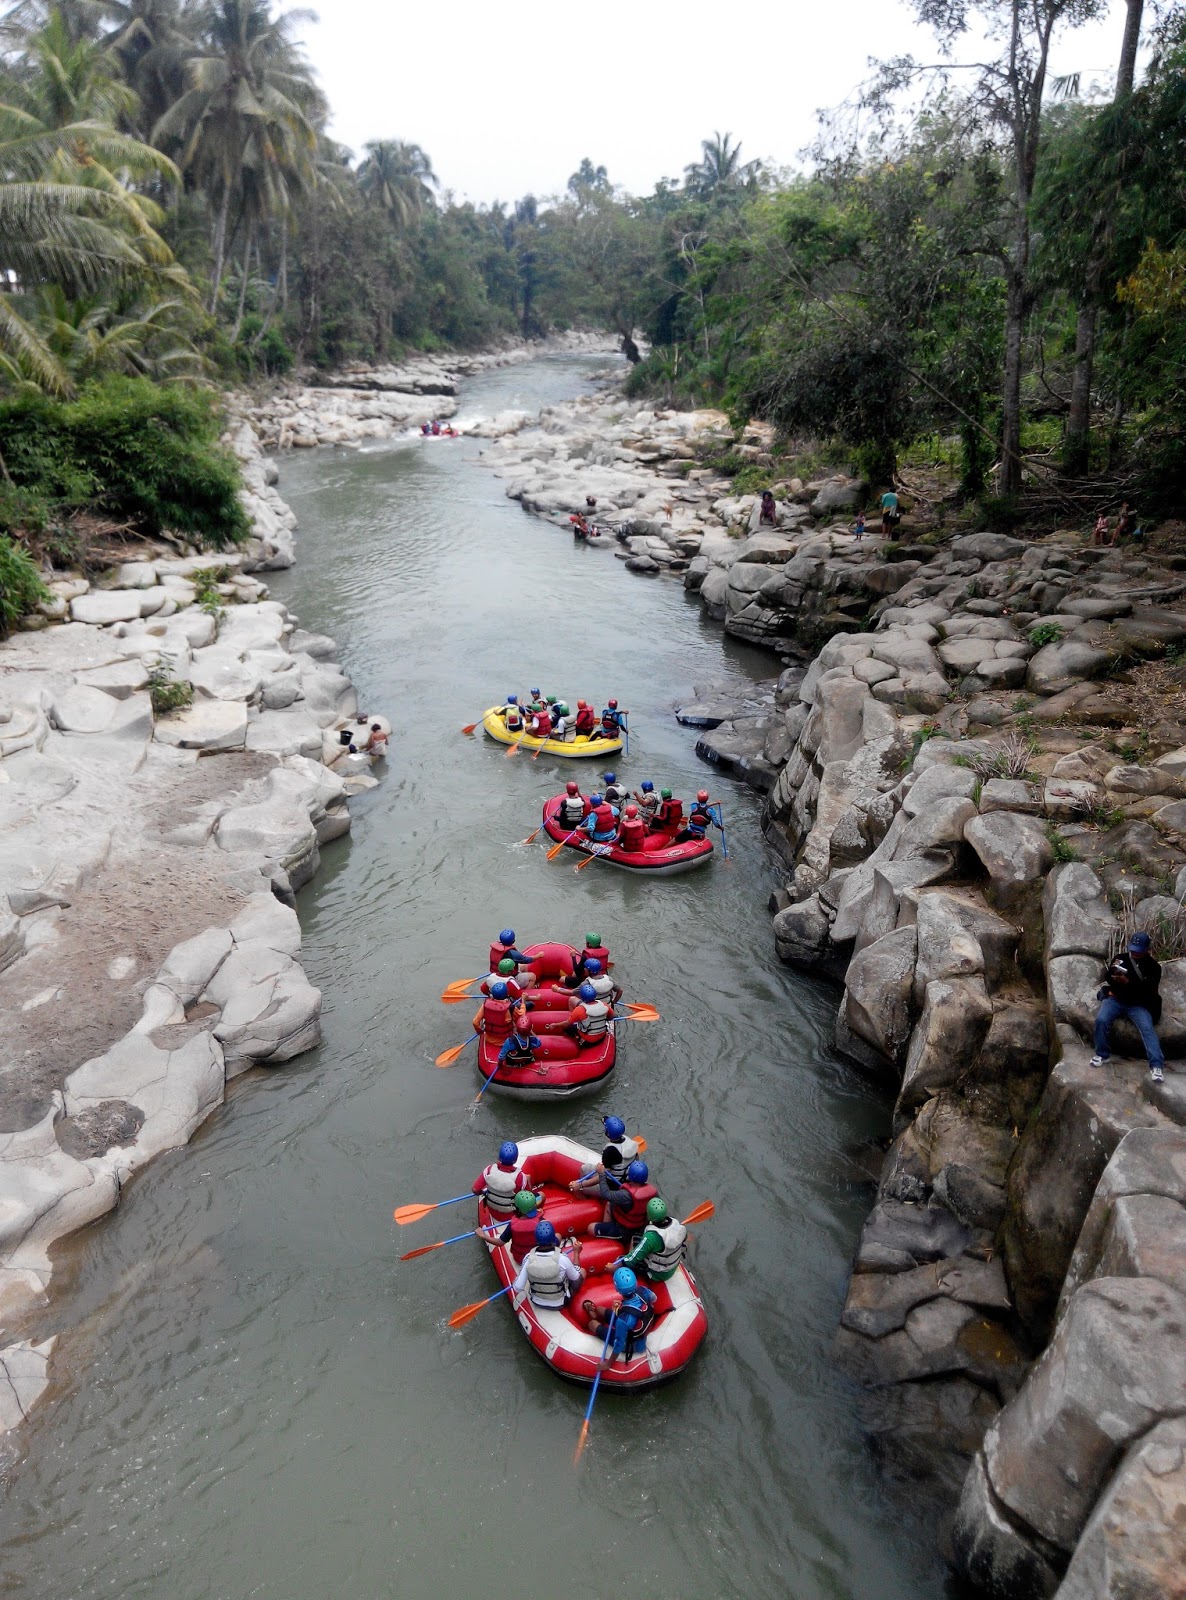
(597, 850)
(714, 812)
(706, 1209)
(459, 984)
(440, 1245)
(640, 1011)
(466, 1314)
(556, 848)
(405, 1214)
(532, 837)
(486, 1085)
(609, 1328)
(457, 999)
(448, 1057)
(469, 728)
(514, 750)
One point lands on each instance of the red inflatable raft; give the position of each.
(562, 1337)
(562, 1068)
(659, 859)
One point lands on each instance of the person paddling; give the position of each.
(547, 1274)
(574, 808)
(519, 1232)
(502, 1180)
(632, 1313)
(700, 819)
(602, 822)
(519, 1050)
(632, 830)
(661, 1249)
(616, 793)
(588, 1017)
(612, 720)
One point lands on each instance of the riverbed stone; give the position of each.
(955, 1019)
(878, 989)
(1064, 664)
(1013, 849)
(101, 607)
(175, 1088)
(205, 725)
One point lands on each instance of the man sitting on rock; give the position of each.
(1131, 990)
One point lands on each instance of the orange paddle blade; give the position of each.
(582, 1441)
(448, 1057)
(405, 1214)
(641, 1011)
(585, 863)
(642, 1145)
(458, 984)
(513, 751)
(467, 1313)
(532, 837)
(555, 850)
(469, 727)
(456, 999)
(702, 1213)
(423, 1251)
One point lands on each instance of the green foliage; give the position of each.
(206, 581)
(1045, 633)
(21, 587)
(132, 451)
(1061, 848)
(168, 693)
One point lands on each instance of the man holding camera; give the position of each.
(1131, 991)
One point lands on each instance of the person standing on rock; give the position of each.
(1130, 990)
(858, 527)
(769, 511)
(891, 514)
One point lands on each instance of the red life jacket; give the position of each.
(601, 953)
(586, 720)
(523, 1234)
(603, 818)
(498, 952)
(541, 725)
(496, 1018)
(671, 814)
(632, 833)
(635, 1219)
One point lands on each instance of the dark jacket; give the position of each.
(1134, 981)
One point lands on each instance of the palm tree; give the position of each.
(246, 125)
(397, 177)
(720, 168)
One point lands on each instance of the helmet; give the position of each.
(512, 699)
(702, 794)
(594, 799)
(525, 1203)
(637, 1172)
(535, 694)
(507, 967)
(593, 940)
(631, 811)
(508, 1153)
(545, 1235)
(624, 1281)
(580, 705)
(572, 786)
(551, 700)
(610, 777)
(656, 1209)
(507, 936)
(613, 705)
(593, 965)
(498, 991)
(647, 786)
(665, 794)
(587, 992)
(614, 1127)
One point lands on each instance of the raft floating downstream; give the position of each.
(563, 1069)
(577, 749)
(660, 858)
(561, 1337)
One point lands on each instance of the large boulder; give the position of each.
(1061, 665)
(1076, 913)
(878, 989)
(955, 1019)
(1137, 1215)
(988, 547)
(1014, 851)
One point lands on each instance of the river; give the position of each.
(252, 1396)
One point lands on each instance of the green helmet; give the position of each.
(525, 1203)
(665, 794)
(593, 940)
(656, 1210)
(562, 707)
(550, 699)
(507, 967)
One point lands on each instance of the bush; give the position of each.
(20, 583)
(1045, 633)
(129, 450)
(168, 692)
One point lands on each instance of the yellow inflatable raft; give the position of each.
(573, 749)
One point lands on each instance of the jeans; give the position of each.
(1109, 1011)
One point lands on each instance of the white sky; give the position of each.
(506, 96)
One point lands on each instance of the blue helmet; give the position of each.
(594, 799)
(610, 777)
(512, 699)
(545, 1235)
(647, 786)
(637, 1172)
(498, 991)
(624, 1280)
(587, 992)
(593, 965)
(614, 1127)
(507, 936)
(508, 1153)
(535, 694)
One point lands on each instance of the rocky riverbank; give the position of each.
(149, 948)
(975, 764)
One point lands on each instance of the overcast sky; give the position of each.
(507, 97)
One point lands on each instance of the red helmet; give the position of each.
(631, 811)
(702, 794)
(613, 705)
(572, 786)
(580, 705)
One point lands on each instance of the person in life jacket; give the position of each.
(548, 1275)
(541, 723)
(502, 1180)
(504, 973)
(632, 830)
(594, 951)
(436, 428)
(518, 1050)
(700, 819)
(519, 1233)
(588, 1017)
(625, 1204)
(564, 725)
(612, 720)
(602, 984)
(647, 801)
(586, 718)
(504, 949)
(574, 807)
(632, 1314)
(616, 793)
(513, 714)
(496, 1012)
(670, 814)
(602, 822)
(661, 1249)
(619, 1141)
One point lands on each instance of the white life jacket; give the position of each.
(501, 1189)
(546, 1282)
(572, 809)
(594, 1023)
(604, 986)
(566, 728)
(615, 794)
(628, 1147)
(665, 1261)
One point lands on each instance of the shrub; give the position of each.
(20, 583)
(1045, 633)
(1063, 849)
(130, 450)
(167, 692)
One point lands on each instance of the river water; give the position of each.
(252, 1396)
